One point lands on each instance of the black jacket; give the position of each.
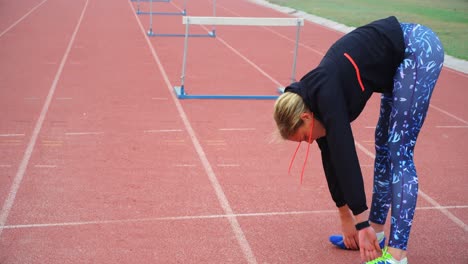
(360, 63)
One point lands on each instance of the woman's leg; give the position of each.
(413, 86)
(382, 195)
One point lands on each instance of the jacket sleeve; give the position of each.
(333, 183)
(341, 163)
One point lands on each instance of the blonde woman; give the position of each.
(401, 61)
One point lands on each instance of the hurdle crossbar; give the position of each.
(235, 21)
(151, 12)
(183, 12)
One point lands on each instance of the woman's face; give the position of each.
(304, 131)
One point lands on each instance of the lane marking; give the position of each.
(64, 98)
(224, 203)
(449, 114)
(162, 130)
(11, 135)
(5, 166)
(159, 98)
(442, 209)
(83, 133)
(228, 165)
(37, 128)
(217, 144)
(185, 165)
(194, 217)
(22, 18)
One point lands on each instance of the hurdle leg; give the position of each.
(296, 47)
(150, 31)
(180, 91)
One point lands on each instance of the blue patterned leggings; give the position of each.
(402, 115)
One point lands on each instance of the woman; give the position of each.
(402, 62)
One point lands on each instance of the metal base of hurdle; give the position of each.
(182, 13)
(211, 34)
(180, 92)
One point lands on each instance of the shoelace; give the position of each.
(307, 153)
(383, 259)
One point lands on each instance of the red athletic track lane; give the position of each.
(122, 172)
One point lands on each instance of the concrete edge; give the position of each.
(449, 61)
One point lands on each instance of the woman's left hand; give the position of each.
(368, 244)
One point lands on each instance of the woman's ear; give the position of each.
(307, 116)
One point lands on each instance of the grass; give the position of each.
(448, 18)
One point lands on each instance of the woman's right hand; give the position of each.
(348, 229)
(350, 234)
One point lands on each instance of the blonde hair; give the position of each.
(288, 109)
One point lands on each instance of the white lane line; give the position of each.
(83, 133)
(22, 18)
(64, 98)
(162, 130)
(236, 129)
(174, 218)
(11, 135)
(37, 128)
(194, 217)
(5, 166)
(159, 98)
(442, 209)
(185, 165)
(224, 203)
(228, 165)
(449, 114)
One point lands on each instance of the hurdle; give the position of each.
(180, 91)
(139, 12)
(152, 33)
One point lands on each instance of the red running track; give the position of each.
(100, 163)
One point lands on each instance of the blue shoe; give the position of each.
(337, 240)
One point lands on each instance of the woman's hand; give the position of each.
(350, 235)
(348, 229)
(369, 246)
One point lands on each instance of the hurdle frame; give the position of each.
(139, 12)
(180, 91)
(152, 33)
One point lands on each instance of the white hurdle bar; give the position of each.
(235, 21)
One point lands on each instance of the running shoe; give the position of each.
(337, 240)
(387, 258)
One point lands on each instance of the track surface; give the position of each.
(101, 163)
